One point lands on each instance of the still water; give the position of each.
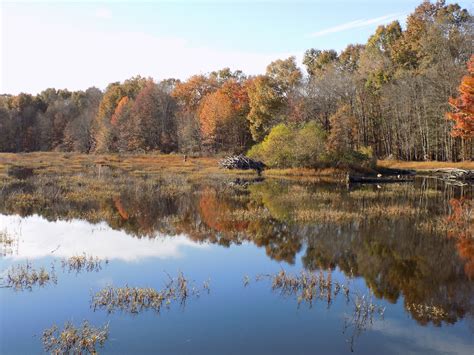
(402, 247)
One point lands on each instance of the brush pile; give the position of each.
(241, 162)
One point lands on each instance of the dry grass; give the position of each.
(52, 162)
(82, 263)
(137, 164)
(137, 299)
(419, 165)
(308, 286)
(72, 340)
(25, 277)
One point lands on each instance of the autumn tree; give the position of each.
(103, 136)
(25, 110)
(343, 136)
(223, 118)
(121, 126)
(316, 60)
(189, 95)
(151, 121)
(463, 106)
(265, 106)
(409, 51)
(77, 133)
(6, 127)
(285, 74)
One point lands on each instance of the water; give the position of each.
(388, 244)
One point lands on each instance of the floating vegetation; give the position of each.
(82, 263)
(23, 277)
(72, 340)
(137, 299)
(309, 287)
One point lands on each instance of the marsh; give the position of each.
(281, 265)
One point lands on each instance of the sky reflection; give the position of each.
(69, 238)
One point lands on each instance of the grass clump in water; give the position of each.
(137, 299)
(307, 286)
(23, 277)
(72, 340)
(82, 263)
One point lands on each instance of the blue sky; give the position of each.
(75, 45)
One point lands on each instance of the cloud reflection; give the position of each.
(40, 238)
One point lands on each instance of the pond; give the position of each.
(229, 266)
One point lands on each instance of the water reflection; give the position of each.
(410, 244)
(64, 239)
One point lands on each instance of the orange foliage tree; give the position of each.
(223, 117)
(463, 106)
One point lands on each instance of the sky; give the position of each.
(76, 45)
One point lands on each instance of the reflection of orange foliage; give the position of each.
(466, 251)
(216, 213)
(120, 208)
(461, 223)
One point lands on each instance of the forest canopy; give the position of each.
(404, 94)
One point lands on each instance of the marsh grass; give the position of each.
(141, 164)
(25, 277)
(74, 340)
(137, 299)
(82, 263)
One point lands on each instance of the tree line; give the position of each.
(386, 98)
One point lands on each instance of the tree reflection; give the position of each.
(394, 237)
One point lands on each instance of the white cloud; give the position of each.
(103, 12)
(356, 24)
(430, 340)
(39, 238)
